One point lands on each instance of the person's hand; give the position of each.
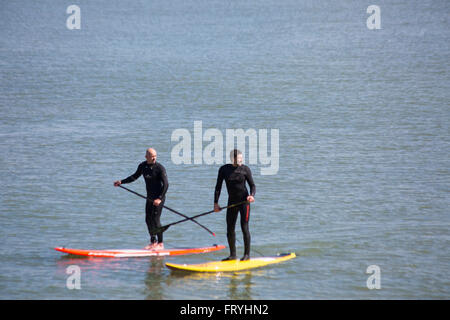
(216, 207)
(117, 183)
(156, 202)
(250, 199)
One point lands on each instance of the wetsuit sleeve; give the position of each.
(219, 183)
(250, 182)
(134, 176)
(165, 182)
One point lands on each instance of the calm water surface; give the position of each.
(363, 119)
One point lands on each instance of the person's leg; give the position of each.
(157, 223)
(245, 218)
(232, 214)
(149, 221)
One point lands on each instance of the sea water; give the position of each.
(361, 191)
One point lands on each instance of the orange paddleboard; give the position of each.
(128, 253)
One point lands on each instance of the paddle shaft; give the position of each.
(170, 209)
(164, 228)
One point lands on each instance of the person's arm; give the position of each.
(165, 182)
(251, 183)
(218, 189)
(133, 177)
(165, 185)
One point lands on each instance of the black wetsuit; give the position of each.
(235, 178)
(157, 184)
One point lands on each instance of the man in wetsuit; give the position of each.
(156, 183)
(235, 176)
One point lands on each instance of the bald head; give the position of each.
(151, 155)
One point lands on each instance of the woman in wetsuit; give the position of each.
(235, 176)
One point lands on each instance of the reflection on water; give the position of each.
(101, 273)
(90, 263)
(154, 280)
(240, 288)
(237, 285)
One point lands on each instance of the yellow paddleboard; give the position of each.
(231, 265)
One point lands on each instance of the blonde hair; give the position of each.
(234, 153)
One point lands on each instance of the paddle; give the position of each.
(164, 228)
(174, 211)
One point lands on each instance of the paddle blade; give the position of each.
(159, 230)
